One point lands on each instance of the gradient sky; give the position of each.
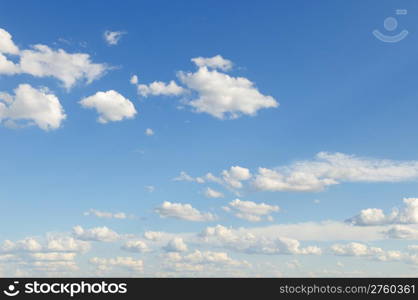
(313, 159)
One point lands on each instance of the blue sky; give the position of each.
(305, 120)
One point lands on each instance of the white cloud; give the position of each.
(150, 188)
(216, 62)
(176, 245)
(231, 178)
(110, 105)
(157, 88)
(324, 231)
(223, 96)
(134, 80)
(135, 246)
(25, 245)
(129, 263)
(105, 215)
(251, 211)
(33, 107)
(401, 232)
(199, 261)
(153, 235)
(53, 256)
(333, 168)
(66, 244)
(235, 175)
(6, 43)
(100, 234)
(355, 249)
(149, 132)
(113, 37)
(42, 61)
(8, 67)
(186, 177)
(211, 193)
(246, 242)
(374, 216)
(183, 212)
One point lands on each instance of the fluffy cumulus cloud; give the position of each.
(251, 211)
(157, 88)
(105, 214)
(111, 106)
(120, 262)
(113, 37)
(333, 168)
(409, 256)
(135, 246)
(217, 93)
(183, 212)
(199, 261)
(176, 244)
(66, 244)
(6, 43)
(53, 256)
(374, 216)
(211, 193)
(221, 95)
(153, 235)
(355, 249)
(99, 234)
(246, 242)
(69, 68)
(26, 245)
(42, 61)
(31, 106)
(216, 62)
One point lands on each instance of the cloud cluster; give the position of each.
(216, 93)
(98, 234)
(42, 61)
(324, 170)
(249, 243)
(251, 211)
(120, 262)
(105, 214)
(375, 216)
(375, 253)
(183, 212)
(232, 178)
(51, 256)
(221, 95)
(135, 246)
(199, 261)
(333, 168)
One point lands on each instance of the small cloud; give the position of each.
(134, 80)
(105, 214)
(150, 188)
(149, 132)
(112, 37)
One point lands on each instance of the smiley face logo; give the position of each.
(11, 290)
(391, 24)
